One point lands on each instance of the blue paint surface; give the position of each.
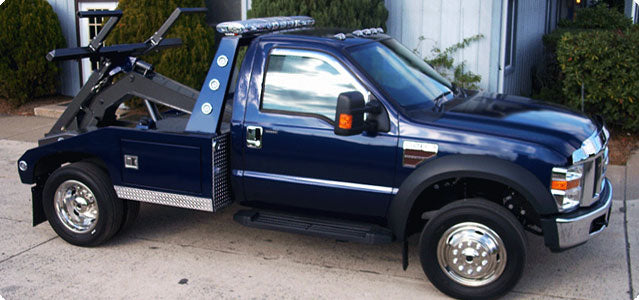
(531, 134)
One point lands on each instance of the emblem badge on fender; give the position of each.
(417, 152)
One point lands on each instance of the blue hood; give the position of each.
(554, 126)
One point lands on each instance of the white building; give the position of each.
(506, 57)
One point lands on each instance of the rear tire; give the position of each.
(473, 249)
(81, 205)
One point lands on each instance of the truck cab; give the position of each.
(342, 134)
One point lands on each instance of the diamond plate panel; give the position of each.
(221, 172)
(164, 198)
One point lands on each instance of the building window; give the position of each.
(636, 19)
(95, 25)
(511, 33)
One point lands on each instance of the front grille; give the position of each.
(594, 174)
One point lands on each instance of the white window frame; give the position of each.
(512, 26)
(635, 12)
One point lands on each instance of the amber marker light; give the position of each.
(565, 185)
(345, 121)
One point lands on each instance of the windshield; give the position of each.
(401, 74)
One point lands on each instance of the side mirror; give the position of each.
(349, 115)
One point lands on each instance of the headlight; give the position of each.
(566, 186)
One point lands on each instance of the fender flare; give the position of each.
(473, 166)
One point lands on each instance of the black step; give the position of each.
(323, 227)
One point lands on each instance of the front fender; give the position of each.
(469, 166)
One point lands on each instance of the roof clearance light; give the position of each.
(264, 25)
(368, 32)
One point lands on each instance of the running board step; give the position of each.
(323, 227)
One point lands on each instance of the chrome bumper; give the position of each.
(572, 229)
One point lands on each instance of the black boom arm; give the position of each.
(98, 99)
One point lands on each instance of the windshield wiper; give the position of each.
(438, 100)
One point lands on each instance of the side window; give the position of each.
(306, 83)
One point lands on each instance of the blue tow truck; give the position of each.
(346, 135)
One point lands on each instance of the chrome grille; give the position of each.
(594, 167)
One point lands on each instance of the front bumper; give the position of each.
(565, 231)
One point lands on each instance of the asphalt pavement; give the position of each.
(178, 253)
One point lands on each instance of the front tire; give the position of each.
(81, 205)
(473, 248)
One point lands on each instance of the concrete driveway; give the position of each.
(177, 253)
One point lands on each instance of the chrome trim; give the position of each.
(22, 165)
(131, 161)
(471, 254)
(164, 198)
(76, 206)
(254, 137)
(593, 155)
(574, 231)
(591, 146)
(318, 182)
(594, 169)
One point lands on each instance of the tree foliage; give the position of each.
(29, 29)
(352, 14)
(187, 64)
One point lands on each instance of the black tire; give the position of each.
(486, 213)
(110, 207)
(131, 212)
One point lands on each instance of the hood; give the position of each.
(555, 126)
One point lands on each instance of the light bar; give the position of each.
(368, 32)
(264, 25)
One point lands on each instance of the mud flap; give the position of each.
(405, 255)
(36, 203)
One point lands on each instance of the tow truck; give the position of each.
(340, 134)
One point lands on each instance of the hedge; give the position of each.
(598, 17)
(29, 29)
(607, 63)
(584, 50)
(187, 64)
(351, 14)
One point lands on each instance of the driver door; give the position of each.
(299, 162)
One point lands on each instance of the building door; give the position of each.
(89, 28)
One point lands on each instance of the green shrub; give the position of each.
(598, 17)
(187, 64)
(444, 63)
(607, 64)
(552, 83)
(548, 81)
(352, 14)
(29, 29)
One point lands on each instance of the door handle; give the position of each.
(254, 137)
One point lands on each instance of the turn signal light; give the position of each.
(564, 185)
(345, 121)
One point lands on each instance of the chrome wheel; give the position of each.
(471, 254)
(76, 206)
